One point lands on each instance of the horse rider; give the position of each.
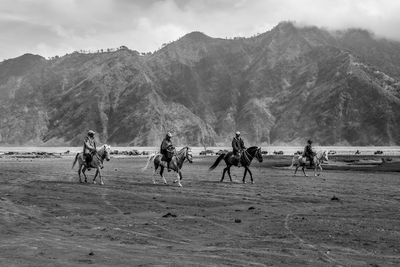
(238, 146)
(309, 152)
(167, 149)
(89, 148)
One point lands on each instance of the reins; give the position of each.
(246, 156)
(180, 154)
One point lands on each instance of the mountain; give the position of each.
(281, 87)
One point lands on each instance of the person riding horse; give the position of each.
(238, 147)
(309, 152)
(89, 147)
(167, 149)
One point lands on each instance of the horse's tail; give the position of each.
(75, 160)
(148, 161)
(217, 162)
(294, 159)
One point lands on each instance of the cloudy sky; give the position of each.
(56, 27)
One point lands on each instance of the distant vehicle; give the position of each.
(298, 152)
(358, 152)
(378, 152)
(332, 152)
(222, 151)
(145, 153)
(207, 152)
(280, 152)
(264, 152)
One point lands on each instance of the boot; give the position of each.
(88, 163)
(169, 169)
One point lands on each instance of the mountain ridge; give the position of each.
(280, 87)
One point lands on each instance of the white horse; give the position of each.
(176, 164)
(300, 161)
(96, 163)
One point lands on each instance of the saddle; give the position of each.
(89, 159)
(169, 153)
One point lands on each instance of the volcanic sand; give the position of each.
(343, 218)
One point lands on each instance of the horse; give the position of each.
(97, 163)
(245, 160)
(300, 161)
(176, 163)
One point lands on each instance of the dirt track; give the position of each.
(48, 219)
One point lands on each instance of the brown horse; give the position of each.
(245, 160)
(176, 163)
(96, 163)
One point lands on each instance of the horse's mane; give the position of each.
(252, 148)
(183, 148)
(103, 148)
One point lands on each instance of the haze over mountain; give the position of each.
(281, 87)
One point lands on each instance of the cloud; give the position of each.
(51, 28)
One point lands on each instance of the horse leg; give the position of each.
(162, 174)
(251, 175)
(320, 170)
(295, 171)
(244, 175)
(223, 174)
(101, 178)
(179, 176)
(84, 173)
(79, 173)
(229, 173)
(304, 171)
(95, 175)
(154, 173)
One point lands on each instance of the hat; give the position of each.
(90, 132)
(237, 133)
(169, 134)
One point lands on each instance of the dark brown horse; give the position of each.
(245, 160)
(176, 163)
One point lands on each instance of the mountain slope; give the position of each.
(283, 86)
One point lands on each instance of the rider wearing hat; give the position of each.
(89, 147)
(167, 149)
(238, 146)
(309, 152)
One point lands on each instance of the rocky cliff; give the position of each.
(284, 86)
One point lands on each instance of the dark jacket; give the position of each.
(89, 145)
(308, 151)
(164, 146)
(237, 145)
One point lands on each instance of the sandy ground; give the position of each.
(48, 219)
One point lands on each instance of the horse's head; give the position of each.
(258, 155)
(188, 154)
(322, 155)
(325, 155)
(105, 152)
(255, 152)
